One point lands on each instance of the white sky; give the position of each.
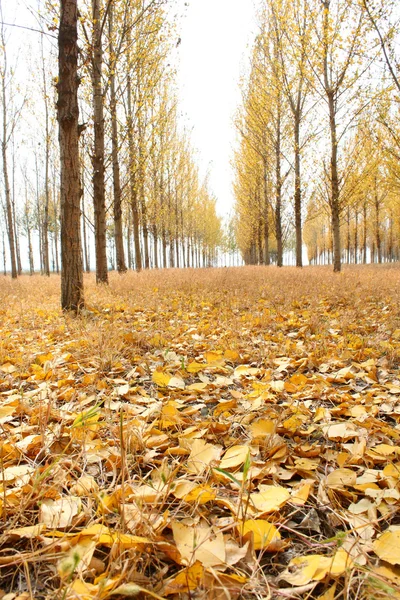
(216, 35)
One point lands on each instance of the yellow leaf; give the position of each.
(262, 428)
(86, 485)
(340, 478)
(265, 534)
(106, 537)
(234, 457)
(89, 379)
(8, 368)
(341, 562)
(199, 543)
(231, 355)
(315, 567)
(343, 431)
(83, 590)
(28, 532)
(187, 580)
(190, 491)
(335, 565)
(77, 558)
(161, 379)
(300, 494)
(298, 379)
(128, 590)
(195, 367)
(302, 569)
(176, 382)
(330, 594)
(294, 422)
(183, 488)
(201, 456)
(59, 513)
(201, 494)
(245, 371)
(387, 546)
(6, 411)
(272, 498)
(44, 358)
(214, 358)
(197, 387)
(170, 415)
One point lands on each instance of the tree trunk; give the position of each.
(68, 115)
(356, 239)
(365, 233)
(334, 204)
(128, 242)
(118, 233)
(172, 253)
(85, 241)
(155, 245)
(4, 257)
(297, 192)
(45, 224)
(98, 151)
(9, 212)
(377, 225)
(278, 191)
(164, 246)
(16, 235)
(132, 175)
(348, 236)
(28, 231)
(55, 208)
(267, 258)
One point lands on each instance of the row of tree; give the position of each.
(318, 134)
(129, 178)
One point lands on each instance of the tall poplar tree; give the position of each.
(68, 115)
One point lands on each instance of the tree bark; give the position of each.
(335, 201)
(9, 213)
(68, 115)
(45, 224)
(267, 258)
(297, 191)
(98, 151)
(132, 175)
(278, 190)
(118, 232)
(377, 224)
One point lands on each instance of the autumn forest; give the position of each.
(210, 408)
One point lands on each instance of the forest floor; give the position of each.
(212, 434)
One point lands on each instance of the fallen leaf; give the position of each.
(201, 544)
(387, 546)
(58, 514)
(265, 535)
(271, 498)
(202, 455)
(234, 457)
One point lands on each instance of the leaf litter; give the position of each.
(218, 434)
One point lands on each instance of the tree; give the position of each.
(68, 116)
(117, 192)
(376, 15)
(339, 30)
(98, 150)
(291, 25)
(6, 133)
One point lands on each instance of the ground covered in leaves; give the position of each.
(213, 434)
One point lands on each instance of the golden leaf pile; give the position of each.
(219, 434)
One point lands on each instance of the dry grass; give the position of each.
(56, 366)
